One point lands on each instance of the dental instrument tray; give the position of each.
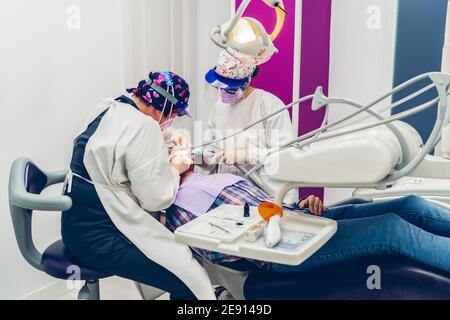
(226, 230)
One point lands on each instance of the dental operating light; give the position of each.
(247, 35)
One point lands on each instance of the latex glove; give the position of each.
(238, 156)
(272, 232)
(168, 133)
(211, 157)
(180, 141)
(175, 137)
(180, 162)
(314, 204)
(181, 146)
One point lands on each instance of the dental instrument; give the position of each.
(254, 233)
(219, 227)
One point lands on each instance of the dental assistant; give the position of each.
(239, 105)
(121, 172)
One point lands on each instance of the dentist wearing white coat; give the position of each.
(240, 105)
(120, 173)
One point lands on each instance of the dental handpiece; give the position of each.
(200, 154)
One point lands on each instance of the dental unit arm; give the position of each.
(305, 162)
(380, 152)
(298, 162)
(407, 138)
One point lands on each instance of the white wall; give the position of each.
(145, 39)
(209, 14)
(362, 57)
(50, 77)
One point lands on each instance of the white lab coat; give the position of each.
(128, 153)
(259, 140)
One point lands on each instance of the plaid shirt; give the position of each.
(237, 194)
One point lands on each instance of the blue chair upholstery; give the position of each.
(400, 279)
(56, 261)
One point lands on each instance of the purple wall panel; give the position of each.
(315, 64)
(277, 75)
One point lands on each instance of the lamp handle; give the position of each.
(281, 18)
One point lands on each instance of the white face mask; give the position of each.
(230, 98)
(168, 123)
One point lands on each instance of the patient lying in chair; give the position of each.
(409, 226)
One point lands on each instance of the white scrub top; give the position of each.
(226, 119)
(127, 159)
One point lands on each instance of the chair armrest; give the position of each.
(22, 203)
(24, 237)
(56, 177)
(42, 202)
(18, 195)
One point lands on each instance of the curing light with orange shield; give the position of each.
(272, 214)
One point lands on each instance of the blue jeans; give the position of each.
(411, 227)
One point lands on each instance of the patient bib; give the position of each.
(199, 192)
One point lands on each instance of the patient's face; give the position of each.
(187, 174)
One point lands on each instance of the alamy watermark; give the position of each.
(374, 17)
(74, 281)
(374, 280)
(73, 21)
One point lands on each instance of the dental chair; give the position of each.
(430, 180)
(381, 152)
(26, 184)
(400, 279)
(381, 155)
